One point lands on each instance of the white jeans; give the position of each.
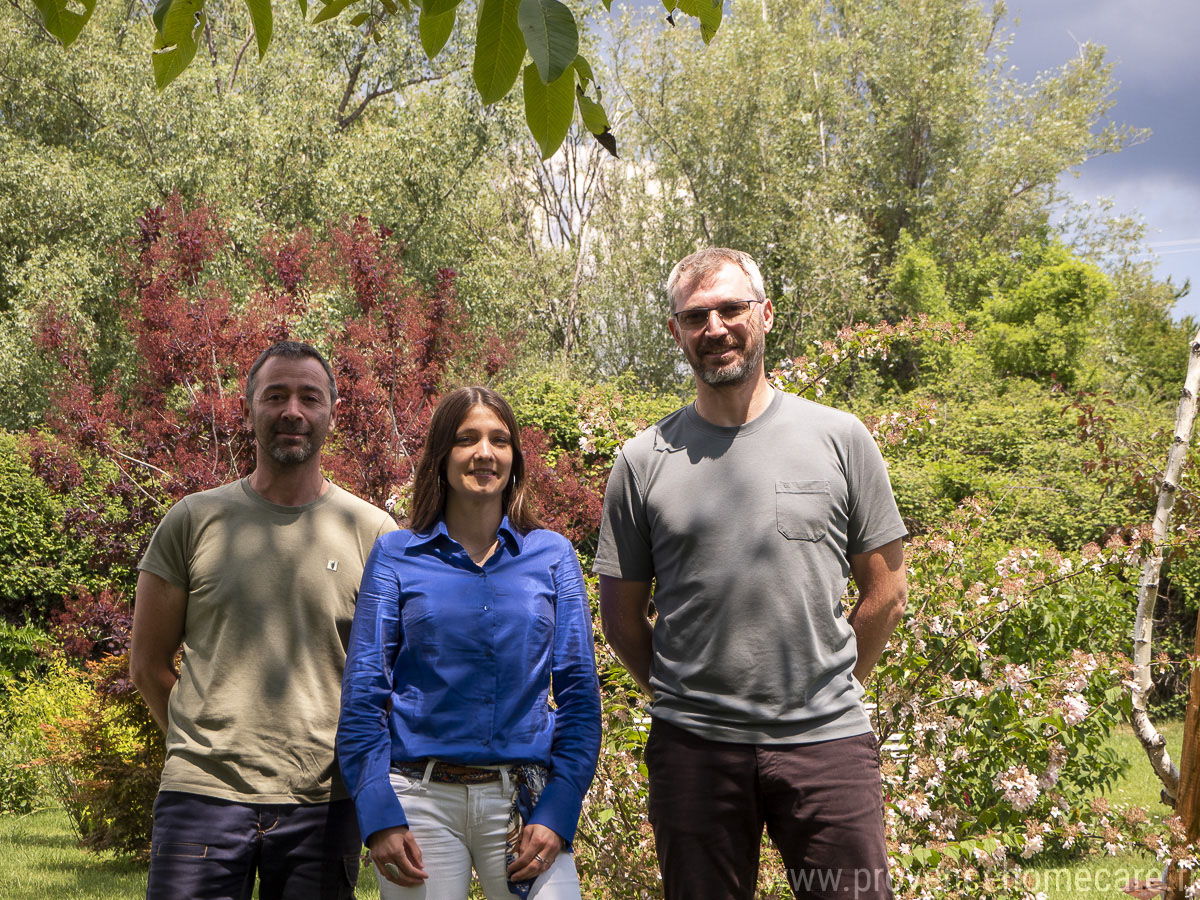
(460, 825)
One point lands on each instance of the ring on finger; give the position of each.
(538, 857)
(392, 869)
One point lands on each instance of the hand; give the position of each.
(396, 849)
(536, 851)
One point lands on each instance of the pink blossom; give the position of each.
(1075, 709)
(1032, 846)
(1020, 787)
(915, 806)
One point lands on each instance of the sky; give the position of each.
(1152, 44)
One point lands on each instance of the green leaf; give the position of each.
(499, 49)
(435, 31)
(65, 18)
(548, 108)
(175, 42)
(670, 6)
(551, 36)
(304, 9)
(595, 119)
(331, 9)
(359, 19)
(438, 7)
(609, 142)
(260, 15)
(707, 12)
(159, 14)
(584, 70)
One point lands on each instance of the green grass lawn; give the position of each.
(40, 859)
(1098, 877)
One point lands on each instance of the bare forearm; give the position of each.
(883, 593)
(155, 688)
(633, 644)
(159, 611)
(623, 609)
(873, 622)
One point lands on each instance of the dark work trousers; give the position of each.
(821, 803)
(204, 848)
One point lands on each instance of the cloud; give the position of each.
(1151, 47)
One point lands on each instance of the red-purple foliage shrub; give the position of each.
(567, 501)
(92, 624)
(169, 424)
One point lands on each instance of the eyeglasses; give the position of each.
(735, 312)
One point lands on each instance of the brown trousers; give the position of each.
(821, 804)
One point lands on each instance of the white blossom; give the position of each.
(1032, 846)
(1075, 709)
(1020, 787)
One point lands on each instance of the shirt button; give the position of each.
(485, 609)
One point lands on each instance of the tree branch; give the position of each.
(212, 54)
(1152, 741)
(237, 62)
(344, 121)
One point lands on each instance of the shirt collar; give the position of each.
(513, 539)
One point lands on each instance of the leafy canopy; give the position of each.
(557, 80)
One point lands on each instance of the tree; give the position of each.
(555, 81)
(88, 145)
(815, 135)
(1183, 792)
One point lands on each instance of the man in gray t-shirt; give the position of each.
(747, 512)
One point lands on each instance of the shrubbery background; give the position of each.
(1019, 378)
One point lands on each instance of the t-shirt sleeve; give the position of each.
(623, 550)
(386, 526)
(167, 555)
(874, 518)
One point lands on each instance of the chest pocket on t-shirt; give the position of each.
(802, 509)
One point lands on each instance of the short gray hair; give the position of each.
(693, 271)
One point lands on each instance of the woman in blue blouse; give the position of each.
(447, 740)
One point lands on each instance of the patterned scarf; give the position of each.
(527, 784)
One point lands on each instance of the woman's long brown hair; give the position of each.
(429, 483)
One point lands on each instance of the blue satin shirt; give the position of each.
(455, 661)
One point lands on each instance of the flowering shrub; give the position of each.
(993, 700)
(999, 687)
(993, 726)
(809, 375)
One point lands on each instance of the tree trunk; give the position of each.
(1189, 774)
(1152, 741)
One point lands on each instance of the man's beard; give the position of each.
(294, 454)
(733, 373)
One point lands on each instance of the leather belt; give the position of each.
(448, 773)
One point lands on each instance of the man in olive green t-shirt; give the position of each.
(257, 580)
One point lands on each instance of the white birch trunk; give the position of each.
(1153, 742)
